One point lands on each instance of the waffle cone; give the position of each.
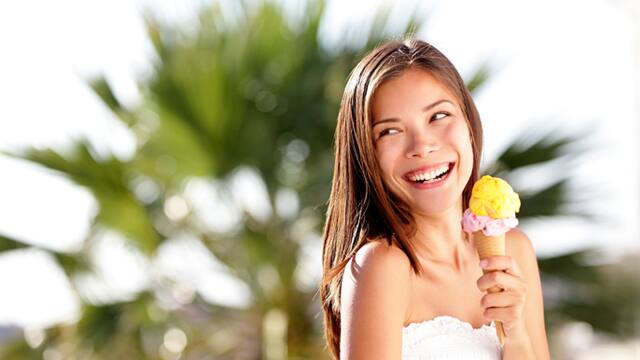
(490, 246)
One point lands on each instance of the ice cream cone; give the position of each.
(491, 213)
(490, 246)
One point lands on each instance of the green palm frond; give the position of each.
(99, 324)
(529, 151)
(101, 87)
(531, 148)
(604, 296)
(107, 179)
(258, 91)
(573, 267)
(479, 78)
(7, 244)
(548, 201)
(73, 263)
(20, 350)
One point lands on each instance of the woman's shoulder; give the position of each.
(519, 244)
(520, 248)
(376, 288)
(380, 252)
(375, 295)
(377, 265)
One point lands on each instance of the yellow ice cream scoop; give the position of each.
(494, 197)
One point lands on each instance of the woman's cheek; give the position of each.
(386, 162)
(466, 154)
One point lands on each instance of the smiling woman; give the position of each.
(426, 141)
(408, 149)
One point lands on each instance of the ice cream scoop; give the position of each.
(494, 197)
(488, 225)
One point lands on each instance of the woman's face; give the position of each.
(419, 131)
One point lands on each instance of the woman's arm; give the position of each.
(374, 301)
(520, 247)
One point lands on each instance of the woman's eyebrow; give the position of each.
(424, 109)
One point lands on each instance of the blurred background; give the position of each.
(165, 166)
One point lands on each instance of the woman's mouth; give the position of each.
(429, 180)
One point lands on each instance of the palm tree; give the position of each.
(254, 96)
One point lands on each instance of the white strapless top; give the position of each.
(447, 337)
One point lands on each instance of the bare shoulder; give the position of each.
(520, 248)
(377, 264)
(377, 255)
(375, 295)
(519, 245)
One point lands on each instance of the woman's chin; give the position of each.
(435, 205)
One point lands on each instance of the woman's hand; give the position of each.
(506, 306)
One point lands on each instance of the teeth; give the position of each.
(430, 175)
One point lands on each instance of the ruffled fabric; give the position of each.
(447, 337)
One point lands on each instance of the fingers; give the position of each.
(509, 316)
(501, 263)
(502, 280)
(503, 299)
(507, 305)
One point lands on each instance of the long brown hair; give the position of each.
(359, 206)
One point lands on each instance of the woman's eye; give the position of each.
(434, 117)
(385, 132)
(440, 113)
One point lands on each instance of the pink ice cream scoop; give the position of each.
(489, 226)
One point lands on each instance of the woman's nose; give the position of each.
(421, 145)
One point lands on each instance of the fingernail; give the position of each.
(484, 263)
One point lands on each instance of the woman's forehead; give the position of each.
(413, 88)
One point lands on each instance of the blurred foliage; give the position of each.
(7, 244)
(254, 92)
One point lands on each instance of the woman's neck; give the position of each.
(439, 238)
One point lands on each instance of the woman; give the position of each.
(400, 278)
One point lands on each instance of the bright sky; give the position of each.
(549, 71)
